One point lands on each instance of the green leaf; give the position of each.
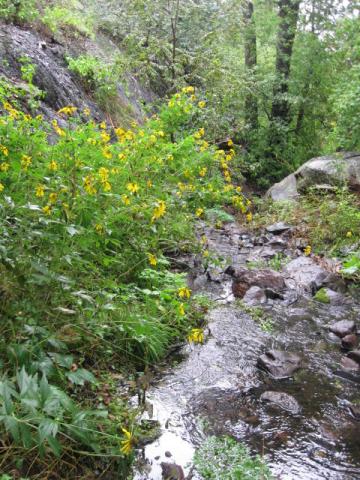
(80, 376)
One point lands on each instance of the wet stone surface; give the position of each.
(306, 425)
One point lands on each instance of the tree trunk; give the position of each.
(251, 103)
(289, 15)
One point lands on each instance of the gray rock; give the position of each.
(305, 272)
(254, 296)
(343, 328)
(277, 228)
(279, 364)
(286, 190)
(282, 400)
(329, 171)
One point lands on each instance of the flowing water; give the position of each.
(215, 388)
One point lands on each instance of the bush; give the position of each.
(86, 223)
(18, 10)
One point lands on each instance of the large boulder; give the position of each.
(323, 173)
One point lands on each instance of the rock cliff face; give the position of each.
(60, 86)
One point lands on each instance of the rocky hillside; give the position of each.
(55, 86)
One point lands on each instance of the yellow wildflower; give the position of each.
(181, 309)
(307, 251)
(159, 210)
(89, 185)
(230, 143)
(107, 186)
(206, 253)
(47, 210)
(102, 125)
(4, 150)
(104, 174)
(184, 292)
(4, 167)
(125, 199)
(57, 129)
(152, 259)
(202, 104)
(106, 152)
(199, 212)
(105, 137)
(149, 184)
(99, 228)
(127, 443)
(53, 166)
(26, 161)
(349, 234)
(189, 89)
(53, 197)
(132, 187)
(196, 335)
(87, 112)
(203, 172)
(40, 191)
(249, 217)
(1, 187)
(67, 110)
(122, 156)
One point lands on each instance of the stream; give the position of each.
(280, 382)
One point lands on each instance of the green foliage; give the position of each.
(86, 223)
(351, 266)
(67, 18)
(18, 11)
(226, 459)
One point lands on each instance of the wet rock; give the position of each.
(171, 471)
(299, 314)
(343, 328)
(355, 411)
(273, 295)
(335, 282)
(282, 400)
(349, 365)
(244, 279)
(168, 454)
(279, 364)
(355, 355)
(254, 296)
(277, 228)
(349, 342)
(306, 273)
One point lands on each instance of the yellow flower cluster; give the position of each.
(159, 210)
(4, 150)
(89, 185)
(57, 129)
(67, 110)
(13, 113)
(26, 161)
(196, 335)
(184, 292)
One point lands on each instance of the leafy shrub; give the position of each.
(226, 459)
(68, 19)
(20, 11)
(86, 223)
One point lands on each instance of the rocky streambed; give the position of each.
(279, 369)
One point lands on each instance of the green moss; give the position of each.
(322, 296)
